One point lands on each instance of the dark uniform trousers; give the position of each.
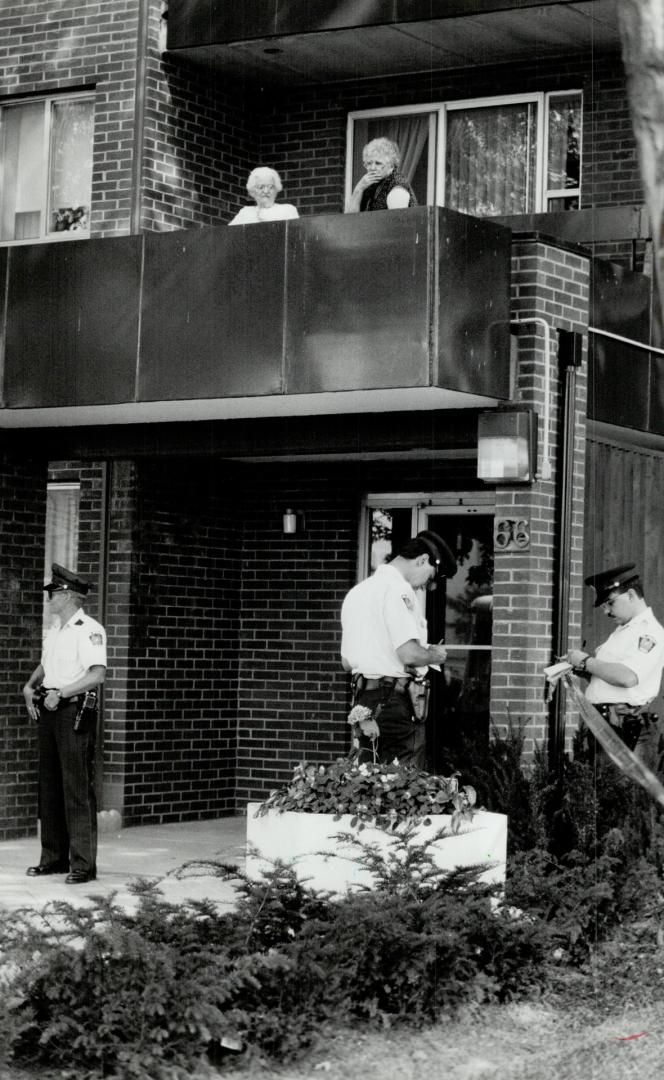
(400, 736)
(67, 801)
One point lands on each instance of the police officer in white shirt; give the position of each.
(61, 696)
(384, 642)
(625, 672)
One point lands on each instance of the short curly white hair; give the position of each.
(261, 175)
(383, 146)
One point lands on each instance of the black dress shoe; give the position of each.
(47, 868)
(79, 877)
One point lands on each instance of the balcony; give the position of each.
(317, 41)
(394, 311)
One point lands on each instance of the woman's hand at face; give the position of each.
(369, 178)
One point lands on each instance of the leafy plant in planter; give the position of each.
(372, 793)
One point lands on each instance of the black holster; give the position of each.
(86, 714)
(628, 720)
(419, 690)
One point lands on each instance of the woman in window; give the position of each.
(382, 187)
(264, 185)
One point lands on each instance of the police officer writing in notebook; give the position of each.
(626, 671)
(384, 643)
(61, 696)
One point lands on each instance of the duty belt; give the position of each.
(615, 711)
(42, 691)
(386, 680)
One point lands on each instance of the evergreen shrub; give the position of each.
(167, 992)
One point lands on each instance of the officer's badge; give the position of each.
(408, 601)
(646, 644)
(97, 639)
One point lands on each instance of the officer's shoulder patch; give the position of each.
(646, 643)
(408, 601)
(96, 639)
(79, 622)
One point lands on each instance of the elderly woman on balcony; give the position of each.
(264, 185)
(382, 187)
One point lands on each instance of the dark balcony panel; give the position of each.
(619, 383)
(358, 302)
(212, 313)
(595, 225)
(473, 305)
(72, 323)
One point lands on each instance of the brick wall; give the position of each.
(173, 603)
(199, 145)
(121, 487)
(549, 283)
(22, 521)
(292, 701)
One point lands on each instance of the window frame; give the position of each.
(46, 101)
(421, 504)
(438, 133)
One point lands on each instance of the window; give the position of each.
(62, 515)
(490, 156)
(46, 168)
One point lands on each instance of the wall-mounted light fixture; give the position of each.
(507, 446)
(292, 522)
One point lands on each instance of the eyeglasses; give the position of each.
(265, 187)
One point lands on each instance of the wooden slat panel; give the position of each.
(623, 516)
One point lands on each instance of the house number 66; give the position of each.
(511, 534)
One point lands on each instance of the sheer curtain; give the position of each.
(410, 133)
(61, 544)
(71, 161)
(490, 159)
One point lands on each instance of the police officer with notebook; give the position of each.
(625, 672)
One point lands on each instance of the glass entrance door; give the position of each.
(459, 612)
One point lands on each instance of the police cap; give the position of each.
(63, 579)
(609, 580)
(439, 553)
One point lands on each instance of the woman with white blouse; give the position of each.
(264, 185)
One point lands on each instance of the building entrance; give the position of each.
(459, 612)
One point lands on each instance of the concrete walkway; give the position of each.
(150, 851)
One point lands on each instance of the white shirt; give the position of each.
(251, 215)
(639, 645)
(377, 617)
(71, 649)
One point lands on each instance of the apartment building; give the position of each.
(226, 428)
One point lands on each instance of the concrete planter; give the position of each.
(307, 841)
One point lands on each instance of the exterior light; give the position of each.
(292, 522)
(507, 446)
